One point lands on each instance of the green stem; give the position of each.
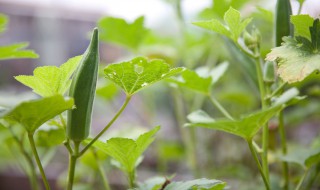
(101, 172)
(33, 176)
(220, 107)
(283, 139)
(37, 158)
(132, 178)
(256, 159)
(313, 176)
(302, 179)
(72, 164)
(265, 132)
(124, 105)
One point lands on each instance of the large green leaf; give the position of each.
(234, 24)
(32, 114)
(3, 22)
(15, 51)
(139, 73)
(245, 127)
(127, 151)
(303, 156)
(51, 80)
(117, 30)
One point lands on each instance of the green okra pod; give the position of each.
(82, 89)
(282, 20)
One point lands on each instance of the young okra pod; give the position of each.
(282, 20)
(82, 89)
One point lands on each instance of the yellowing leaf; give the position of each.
(139, 73)
(50, 80)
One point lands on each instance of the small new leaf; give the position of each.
(16, 51)
(233, 28)
(245, 127)
(32, 114)
(51, 80)
(118, 31)
(139, 73)
(127, 151)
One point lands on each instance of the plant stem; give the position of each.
(101, 172)
(256, 159)
(72, 164)
(220, 107)
(265, 132)
(313, 176)
(33, 176)
(132, 178)
(283, 140)
(302, 179)
(36, 156)
(124, 105)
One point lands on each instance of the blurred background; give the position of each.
(59, 29)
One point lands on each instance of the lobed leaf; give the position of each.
(15, 51)
(302, 23)
(245, 127)
(32, 114)
(117, 30)
(127, 151)
(139, 73)
(51, 80)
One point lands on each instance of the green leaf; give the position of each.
(154, 183)
(286, 96)
(302, 23)
(245, 127)
(234, 24)
(51, 80)
(197, 184)
(117, 30)
(32, 114)
(51, 137)
(15, 51)
(3, 22)
(108, 91)
(190, 79)
(127, 151)
(139, 73)
(303, 156)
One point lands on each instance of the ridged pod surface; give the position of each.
(82, 89)
(282, 20)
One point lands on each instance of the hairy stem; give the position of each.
(256, 159)
(72, 164)
(124, 105)
(37, 158)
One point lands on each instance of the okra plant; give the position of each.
(195, 70)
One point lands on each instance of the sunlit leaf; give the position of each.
(139, 73)
(32, 114)
(234, 24)
(245, 127)
(15, 51)
(117, 30)
(127, 151)
(50, 80)
(303, 156)
(302, 23)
